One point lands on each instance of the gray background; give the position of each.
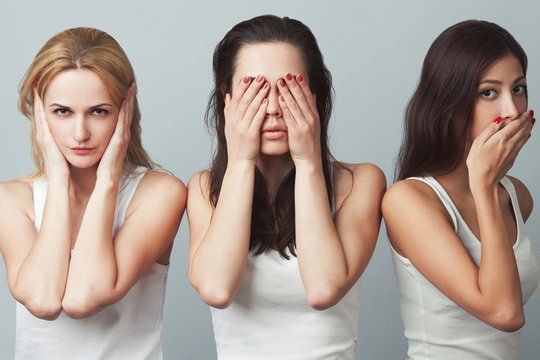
(374, 51)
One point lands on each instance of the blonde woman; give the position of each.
(86, 239)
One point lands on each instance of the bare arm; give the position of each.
(419, 227)
(219, 239)
(331, 256)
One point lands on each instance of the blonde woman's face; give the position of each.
(81, 115)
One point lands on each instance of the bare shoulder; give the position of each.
(199, 185)
(410, 192)
(358, 181)
(524, 196)
(160, 186)
(17, 194)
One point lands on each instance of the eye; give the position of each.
(100, 112)
(488, 93)
(61, 111)
(520, 89)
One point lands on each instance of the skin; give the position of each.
(331, 254)
(78, 111)
(500, 127)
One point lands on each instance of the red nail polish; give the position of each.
(533, 120)
(259, 78)
(288, 76)
(246, 79)
(281, 83)
(299, 77)
(498, 120)
(281, 98)
(265, 85)
(531, 112)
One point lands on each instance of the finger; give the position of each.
(255, 105)
(288, 117)
(258, 118)
(290, 102)
(310, 97)
(251, 92)
(489, 131)
(299, 96)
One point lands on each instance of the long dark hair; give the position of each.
(272, 224)
(439, 113)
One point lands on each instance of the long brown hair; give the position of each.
(83, 48)
(439, 113)
(272, 224)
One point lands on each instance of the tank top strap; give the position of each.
(509, 186)
(40, 195)
(126, 190)
(443, 196)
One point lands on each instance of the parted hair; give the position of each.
(272, 222)
(83, 48)
(439, 114)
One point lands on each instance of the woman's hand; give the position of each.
(494, 151)
(244, 115)
(300, 114)
(112, 161)
(55, 163)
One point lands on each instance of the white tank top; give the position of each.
(270, 317)
(438, 329)
(128, 329)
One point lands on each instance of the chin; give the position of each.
(274, 151)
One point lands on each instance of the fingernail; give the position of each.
(281, 83)
(259, 78)
(265, 101)
(299, 77)
(281, 98)
(246, 79)
(288, 76)
(531, 112)
(498, 120)
(533, 120)
(265, 85)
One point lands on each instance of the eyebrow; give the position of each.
(92, 107)
(497, 82)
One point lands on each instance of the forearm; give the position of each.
(41, 279)
(218, 263)
(498, 277)
(93, 270)
(321, 257)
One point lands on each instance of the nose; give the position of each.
(273, 108)
(509, 107)
(80, 129)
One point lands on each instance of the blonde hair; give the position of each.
(83, 48)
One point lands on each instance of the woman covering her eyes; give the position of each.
(280, 231)
(86, 239)
(462, 256)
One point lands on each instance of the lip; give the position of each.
(273, 132)
(81, 150)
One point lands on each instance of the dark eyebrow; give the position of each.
(101, 105)
(93, 107)
(59, 105)
(497, 82)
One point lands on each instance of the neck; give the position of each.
(458, 179)
(273, 169)
(82, 182)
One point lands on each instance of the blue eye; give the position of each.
(61, 111)
(100, 112)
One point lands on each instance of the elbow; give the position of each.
(218, 298)
(45, 310)
(80, 308)
(508, 320)
(323, 298)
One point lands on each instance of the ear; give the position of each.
(223, 89)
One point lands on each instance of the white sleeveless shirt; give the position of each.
(128, 329)
(270, 317)
(435, 327)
